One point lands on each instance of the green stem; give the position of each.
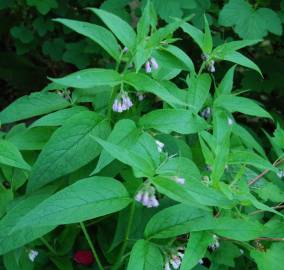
(91, 246)
(126, 238)
(49, 247)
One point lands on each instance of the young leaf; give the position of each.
(57, 118)
(123, 134)
(196, 249)
(145, 256)
(169, 120)
(69, 148)
(10, 155)
(173, 221)
(86, 199)
(194, 32)
(207, 39)
(226, 85)
(96, 33)
(244, 105)
(88, 78)
(121, 29)
(143, 25)
(33, 105)
(131, 158)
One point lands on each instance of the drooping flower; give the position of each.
(179, 180)
(230, 121)
(167, 266)
(206, 113)
(211, 66)
(154, 63)
(147, 197)
(122, 103)
(33, 254)
(84, 257)
(140, 96)
(160, 145)
(151, 63)
(175, 262)
(216, 243)
(125, 50)
(148, 68)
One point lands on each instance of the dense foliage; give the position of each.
(145, 149)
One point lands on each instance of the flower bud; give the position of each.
(148, 68)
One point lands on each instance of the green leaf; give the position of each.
(199, 87)
(88, 78)
(244, 105)
(169, 120)
(121, 29)
(196, 249)
(248, 22)
(96, 33)
(131, 158)
(142, 82)
(270, 259)
(172, 221)
(145, 256)
(242, 60)
(69, 148)
(32, 105)
(10, 238)
(57, 118)
(143, 25)
(195, 33)
(84, 200)
(207, 39)
(43, 6)
(226, 85)
(123, 134)
(192, 193)
(10, 155)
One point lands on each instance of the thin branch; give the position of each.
(260, 211)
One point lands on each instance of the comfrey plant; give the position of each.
(144, 164)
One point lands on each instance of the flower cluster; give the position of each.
(174, 260)
(32, 255)
(152, 63)
(160, 146)
(206, 113)
(122, 103)
(211, 66)
(147, 197)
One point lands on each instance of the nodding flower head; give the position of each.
(216, 243)
(122, 103)
(148, 68)
(160, 145)
(140, 96)
(179, 180)
(206, 113)
(154, 63)
(32, 255)
(230, 121)
(211, 66)
(125, 50)
(147, 197)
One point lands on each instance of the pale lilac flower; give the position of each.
(125, 50)
(122, 103)
(167, 266)
(175, 262)
(139, 196)
(32, 255)
(148, 68)
(206, 113)
(216, 243)
(147, 197)
(204, 57)
(154, 63)
(211, 67)
(140, 96)
(242, 251)
(160, 146)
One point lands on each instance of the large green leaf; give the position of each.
(169, 120)
(121, 29)
(69, 148)
(196, 249)
(32, 105)
(173, 221)
(86, 199)
(244, 105)
(145, 256)
(10, 155)
(11, 238)
(96, 33)
(88, 78)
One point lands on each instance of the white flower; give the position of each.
(125, 50)
(160, 145)
(175, 262)
(167, 266)
(200, 261)
(140, 96)
(33, 254)
(216, 243)
(230, 121)
(280, 173)
(242, 251)
(179, 180)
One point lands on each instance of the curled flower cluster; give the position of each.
(174, 261)
(179, 180)
(211, 66)
(122, 103)
(206, 113)
(160, 146)
(152, 63)
(216, 243)
(32, 255)
(147, 197)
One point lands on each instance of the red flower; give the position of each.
(84, 257)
